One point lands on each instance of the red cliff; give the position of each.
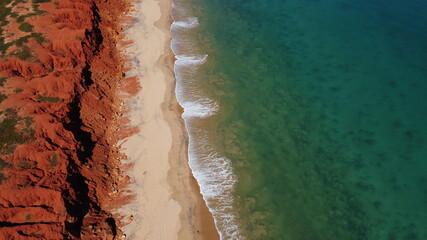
(59, 73)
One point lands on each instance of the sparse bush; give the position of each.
(21, 18)
(3, 164)
(16, 2)
(37, 11)
(2, 81)
(53, 160)
(18, 90)
(10, 112)
(39, 38)
(3, 46)
(9, 137)
(28, 132)
(24, 53)
(4, 12)
(20, 41)
(26, 27)
(45, 98)
(41, 1)
(2, 177)
(28, 121)
(2, 97)
(24, 165)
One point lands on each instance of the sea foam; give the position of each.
(216, 179)
(190, 61)
(190, 22)
(201, 109)
(213, 171)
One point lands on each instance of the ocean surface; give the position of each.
(307, 118)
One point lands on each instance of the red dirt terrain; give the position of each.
(59, 74)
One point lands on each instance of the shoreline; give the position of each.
(167, 203)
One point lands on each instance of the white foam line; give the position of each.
(216, 179)
(201, 109)
(185, 60)
(213, 172)
(189, 23)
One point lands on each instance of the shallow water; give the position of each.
(307, 118)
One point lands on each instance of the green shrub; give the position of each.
(41, 1)
(3, 46)
(18, 90)
(54, 160)
(2, 177)
(26, 27)
(9, 137)
(24, 53)
(28, 121)
(28, 132)
(39, 38)
(10, 112)
(37, 11)
(45, 98)
(2, 81)
(2, 97)
(16, 2)
(4, 12)
(3, 164)
(21, 18)
(25, 165)
(20, 41)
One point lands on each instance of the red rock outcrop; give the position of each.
(58, 164)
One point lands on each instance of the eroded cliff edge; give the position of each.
(59, 72)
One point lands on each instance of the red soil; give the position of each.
(62, 183)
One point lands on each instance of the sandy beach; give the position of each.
(167, 203)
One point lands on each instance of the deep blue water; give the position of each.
(322, 115)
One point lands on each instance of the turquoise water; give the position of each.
(307, 118)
